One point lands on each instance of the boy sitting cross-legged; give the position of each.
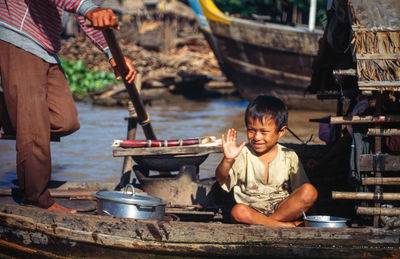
(269, 183)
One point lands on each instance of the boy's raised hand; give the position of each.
(230, 147)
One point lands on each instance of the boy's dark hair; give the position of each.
(269, 107)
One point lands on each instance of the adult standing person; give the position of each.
(36, 93)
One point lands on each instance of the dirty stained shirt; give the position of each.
(247, 178)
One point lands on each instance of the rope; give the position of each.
(296, 136)
(146, 121)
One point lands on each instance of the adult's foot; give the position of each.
(58, 207)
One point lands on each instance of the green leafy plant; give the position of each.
(82, 80)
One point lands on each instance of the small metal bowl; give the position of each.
(326, 222)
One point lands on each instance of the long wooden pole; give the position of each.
(366, 196)
(143, 116)
(376, 211)
(56, 193)
(381, 180)
(364, 119)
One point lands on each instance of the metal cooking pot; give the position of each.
(129, 204)
(326, 222)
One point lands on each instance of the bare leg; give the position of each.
(58, 207)
(288, 210)
(300, 199)
(242, 213)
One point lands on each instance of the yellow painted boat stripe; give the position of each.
(212, 12)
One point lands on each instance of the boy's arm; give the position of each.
(222, 171)
(231, 151)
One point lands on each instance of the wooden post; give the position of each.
(378, 149)
(294, 14)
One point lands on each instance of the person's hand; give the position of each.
(131, 74)
(230, 147)
(102, 19)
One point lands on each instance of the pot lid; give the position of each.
(129, 197)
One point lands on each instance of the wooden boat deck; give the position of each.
(54, 234)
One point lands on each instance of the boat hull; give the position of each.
(39, 232)
(264, 58)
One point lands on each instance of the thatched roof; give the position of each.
(376, 27)
(382, 15)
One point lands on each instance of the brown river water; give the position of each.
(87, 155)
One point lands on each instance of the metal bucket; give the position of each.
(129, 204)
(326, 222)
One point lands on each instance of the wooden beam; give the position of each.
(379, 162)
(378, 211)
(385, 56)
(366, 196)
(379, 85)
(381, 181)
(364, 119)
(383, 132)
(55, 193)
(360, 28)
(184, 150)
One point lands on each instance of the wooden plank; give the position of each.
(381, 180)
(176, 232)
(383, 132)
(379, 162)
(359, 28)
(55, 193)
(345, 72)
(364, 119)
(366, 196)
(184, 150)
(379, 85)
(378, 211)
(66, 233)
(385, 56)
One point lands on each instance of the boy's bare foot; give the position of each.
(299, 223)
(58, 207)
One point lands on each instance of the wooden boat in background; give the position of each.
(262, 57)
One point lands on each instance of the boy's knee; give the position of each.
(240, 213)
(308, 194)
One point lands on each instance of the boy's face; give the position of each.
(263, 135)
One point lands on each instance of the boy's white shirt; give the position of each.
(247, 177)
